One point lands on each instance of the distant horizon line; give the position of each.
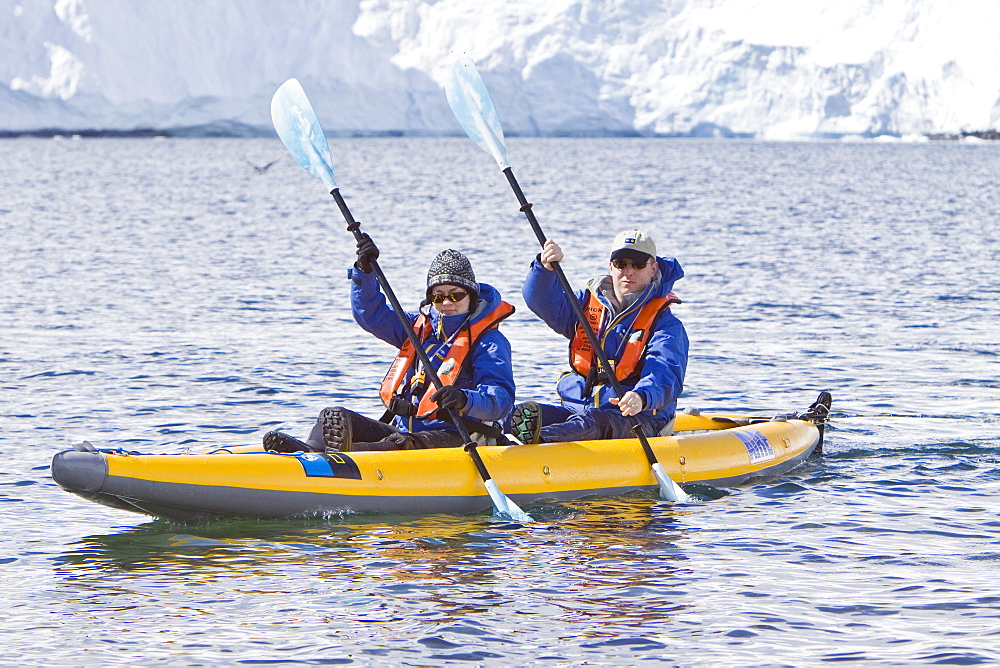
(243, 131)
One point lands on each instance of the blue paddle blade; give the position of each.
(503, 507)
(473, 107)
(669, 489)
(299, 129)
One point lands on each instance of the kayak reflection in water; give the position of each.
(458, 323)
(629, 310)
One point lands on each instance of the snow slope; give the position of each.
(770, 68)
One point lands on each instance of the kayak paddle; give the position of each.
(299, 129)
(474, 109)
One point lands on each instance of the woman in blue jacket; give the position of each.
(458, 325)
(629, 310)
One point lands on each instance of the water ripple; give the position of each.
(175, 299)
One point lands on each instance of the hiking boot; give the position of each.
(276, 441)
(526, 423)
(338, 435)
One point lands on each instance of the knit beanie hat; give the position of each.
(452, 268)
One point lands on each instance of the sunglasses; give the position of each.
(451, 296)
(624, 264)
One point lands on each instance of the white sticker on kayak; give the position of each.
(758, 447)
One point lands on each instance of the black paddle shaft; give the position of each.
(355, 227)
(602, 357)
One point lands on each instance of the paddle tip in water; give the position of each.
(669, 490)
(503, 508)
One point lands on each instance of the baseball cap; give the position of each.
(634, 244)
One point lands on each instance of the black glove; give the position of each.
(367, 252)
(450, 396)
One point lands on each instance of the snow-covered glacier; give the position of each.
(765, 68)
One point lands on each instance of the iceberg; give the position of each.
(776, 69)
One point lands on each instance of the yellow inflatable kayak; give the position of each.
(714, 449)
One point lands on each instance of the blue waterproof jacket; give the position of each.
(661, 378)
(488, 377)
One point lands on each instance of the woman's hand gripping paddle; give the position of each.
(300, 131)
(474, 109)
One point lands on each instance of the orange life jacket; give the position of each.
(581, 354)
(450, 366)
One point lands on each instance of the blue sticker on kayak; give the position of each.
(758, 447)
(332, 465)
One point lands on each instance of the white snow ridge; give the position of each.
(763, 68)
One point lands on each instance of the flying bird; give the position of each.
(261, 170)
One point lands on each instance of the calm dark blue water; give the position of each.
(163, 295)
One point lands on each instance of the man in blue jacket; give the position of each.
(458, 325)
(629, 309)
